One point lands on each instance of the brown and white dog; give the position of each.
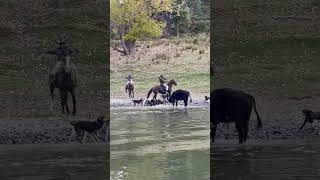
(137, 101)
(82, 128)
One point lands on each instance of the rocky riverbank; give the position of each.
(54, 130)
(272, 130)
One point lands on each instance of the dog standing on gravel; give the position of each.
(137, 101)
(82, 128)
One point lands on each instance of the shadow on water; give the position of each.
(54, 162)
(279, 160)
(160, 144)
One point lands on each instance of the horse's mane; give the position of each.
(172, 81)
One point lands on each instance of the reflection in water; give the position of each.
(266, 160)
(54, 162)
(160, 144)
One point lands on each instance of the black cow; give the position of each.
(180, 95)
(229, 105)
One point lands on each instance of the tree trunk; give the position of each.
(177, 31)
(129, 46)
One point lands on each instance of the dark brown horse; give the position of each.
(130, 87)
(157, 89)
(65, 81)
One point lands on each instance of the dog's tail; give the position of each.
(259, 126)
(150, 91)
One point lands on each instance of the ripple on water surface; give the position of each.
(171, 143)
(283, 159)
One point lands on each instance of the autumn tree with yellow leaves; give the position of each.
(131, 20)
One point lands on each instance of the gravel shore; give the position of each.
(272, 129)
(40, 131)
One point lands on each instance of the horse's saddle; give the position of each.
(164, 88)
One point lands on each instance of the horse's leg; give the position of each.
(74, 102)
(52, 87)
(84, 137)
(62, 100)
(66, 102)
(132, 93)
(95, 136)
(155, 95)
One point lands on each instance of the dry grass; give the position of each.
(171, 57)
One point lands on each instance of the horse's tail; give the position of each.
(259, 126)
(149, 93)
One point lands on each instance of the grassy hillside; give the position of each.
(269, 48)
(185, 59)
(27, 29)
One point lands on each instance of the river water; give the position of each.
(164, 144)
(276, 159)
(54, 162)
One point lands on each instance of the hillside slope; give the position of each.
(27, 29)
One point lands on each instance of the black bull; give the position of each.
(229, 105)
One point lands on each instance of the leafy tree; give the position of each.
(131, 20)
(190, 16)
(200, 16)
(181, 16)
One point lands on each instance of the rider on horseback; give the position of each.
(63, 54)
(163, 84)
